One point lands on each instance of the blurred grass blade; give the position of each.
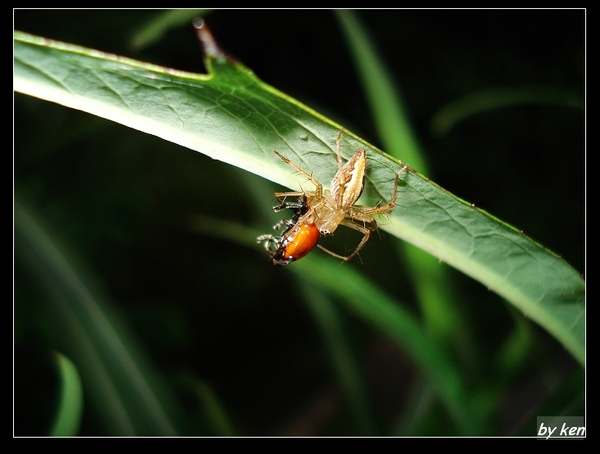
(120, 386)
(383, 96)
(487, 100)
(214, 412)
(390, 318)
(154, 30)
(344, 363)
(431, 283)
(70, 407)
(378, 310)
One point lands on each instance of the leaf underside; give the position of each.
(232, 116)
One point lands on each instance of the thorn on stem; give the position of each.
(209, 45)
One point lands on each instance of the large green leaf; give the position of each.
(232, 116)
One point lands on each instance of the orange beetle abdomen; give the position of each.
(297, 242)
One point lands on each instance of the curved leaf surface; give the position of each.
(232, 116)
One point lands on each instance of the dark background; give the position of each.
(123, 200)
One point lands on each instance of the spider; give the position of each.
(319, 213)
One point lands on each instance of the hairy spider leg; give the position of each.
(338, 150)
(366, 231)
(364, 213)
(364, 216)
(318, 186)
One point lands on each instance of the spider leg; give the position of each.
(366, 231)
(337, 149)
(283, 195)
(300, 170)
(364, 213)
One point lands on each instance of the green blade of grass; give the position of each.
(120, 384)
(344, 363)
(376, 308)
(390, 318)
(68, 418)
(488, 100)
(432, 286)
